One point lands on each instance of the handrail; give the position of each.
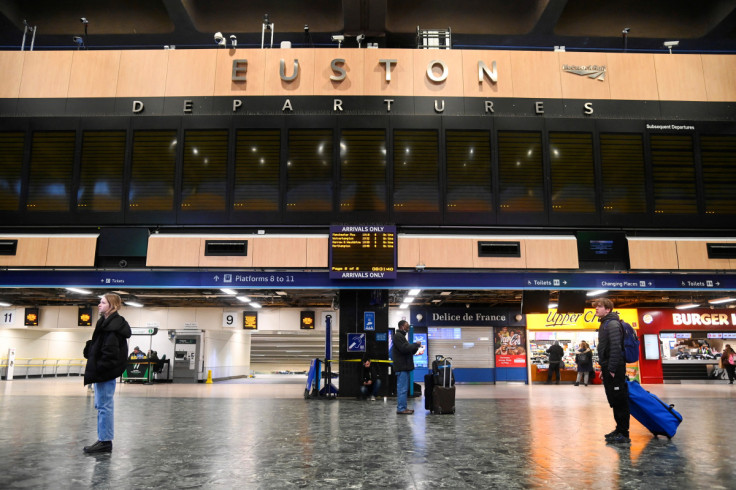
(48, 366)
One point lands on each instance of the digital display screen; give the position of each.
(363, 252)
(445, 333)
(683, 335)
(602, 246)
(715, 335)
(250, 320)
(729, 335)
(421, 360)
(651, 347)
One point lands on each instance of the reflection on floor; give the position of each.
(254, 435)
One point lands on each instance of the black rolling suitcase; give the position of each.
(443, 392)
(442, 371)
(428, 389)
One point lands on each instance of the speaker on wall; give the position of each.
(572, 302)
(535, 302)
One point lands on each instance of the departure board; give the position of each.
(363, 252)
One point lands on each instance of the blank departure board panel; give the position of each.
(309, 170)
(520, 173)
(363, 252)
(204, 179)
(622, 164)
(52, 160)
(363, 170)
(416, 171)
(11, 166)
(257, 157)
(718, 156)
(101, 176)
(673, 168)
(153, 171)
(572, 172)
(469, 185)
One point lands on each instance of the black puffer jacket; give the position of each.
(403, 352)
(107, 351)
(610, 342)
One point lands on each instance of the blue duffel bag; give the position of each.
(654, 414)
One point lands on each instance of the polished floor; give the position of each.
(256, 434)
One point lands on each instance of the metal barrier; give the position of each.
(40, 367)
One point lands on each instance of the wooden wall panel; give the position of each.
(353, 66)
(254, 76)
(279, 251)
(500, 262)
(407, 253)
(719, 72)
(143, 73)
(191, 73)
(536, 75)
(213, 261)
(680, 77)
(551, 253)
(71, 251)
(94, 74)
(632, 76)
(452, 86)
(318, 252)
(693, 255)
(653, 254)
(46, 74)
(11, 66)
(302, 85)
(401, 72)
(31, 251)
(473, 88)
(583, 87)
(173, 251)
(446, 252)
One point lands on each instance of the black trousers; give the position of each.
(730, 368)
(617, 392)
(554, 367)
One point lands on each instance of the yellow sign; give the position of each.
(576, 321)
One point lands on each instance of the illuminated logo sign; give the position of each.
(84, 317)
(595, 72)
(31, 318)
(250, 320)
(307, 320)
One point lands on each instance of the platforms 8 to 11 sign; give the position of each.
(363, 252)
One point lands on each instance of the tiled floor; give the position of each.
(265, 435)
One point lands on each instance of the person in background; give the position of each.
(728, 358)
(555, 354)
(137, 353)
(369, 382)
(106, 355)
(402, 354)
(584, 360)
(613, 369)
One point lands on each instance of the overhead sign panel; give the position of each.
(363, 252)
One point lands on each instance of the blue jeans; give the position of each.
(366, 390)
(104, 403)
(402, 390)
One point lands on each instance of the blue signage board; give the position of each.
(356, 342)
(381, 336)
(369, 320)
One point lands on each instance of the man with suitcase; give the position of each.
(613, 369)
(402, 354)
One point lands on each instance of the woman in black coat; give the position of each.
(584, 359)
(106, 354)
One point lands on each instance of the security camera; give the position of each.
(78, 40)
(669, 44)
(219, 39)
(359, 38)
(233, 40)
(420, 267)
(626, 30)
(84, 20)
(338, 37)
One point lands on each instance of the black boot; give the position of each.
(99, 447)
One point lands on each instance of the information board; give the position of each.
(363, 252)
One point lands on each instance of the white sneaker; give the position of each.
(373, 398)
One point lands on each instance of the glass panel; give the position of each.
(363, 170)
(673, 167)
(718, 154)
(572, 172)
(416, 181)
(101, 179)
(257, 157)
(309, 170)
(520, 174)
(469, 186)
(622, 163)
(204, 179)
(153, 170)
(52, 160)
(11, 168)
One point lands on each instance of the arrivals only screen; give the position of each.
(363, 252)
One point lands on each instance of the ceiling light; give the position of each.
(79, 291)
(414, 292)
(552, 306)
(244, 299)
(255, 305)
(687, 306)
(597, 292)
(134, 303)
(403, 306)
(281, 293)
(408, 299)
(4, 304)
(228, 291)
(436, 301)
(721, 300)
(445, 293)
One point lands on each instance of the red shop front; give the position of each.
(684, 345)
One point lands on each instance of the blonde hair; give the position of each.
(115, 302)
